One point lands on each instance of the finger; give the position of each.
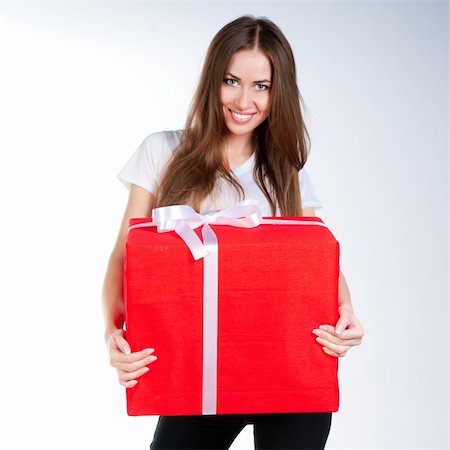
(132, 366)
(341, 325)
(121, 343)
(330, 329)
(128, 376)
(335, 348)
(118, 356)
(338, 342)
(330, 352)
(327, 327)
(342, 340)
(349, 333)
(128, 384)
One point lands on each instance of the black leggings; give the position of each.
(306, 431)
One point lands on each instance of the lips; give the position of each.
(240, 117)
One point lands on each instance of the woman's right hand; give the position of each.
(129, 365)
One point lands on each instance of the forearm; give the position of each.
(344, 301)
(113, 304)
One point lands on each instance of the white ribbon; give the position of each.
(183, 220)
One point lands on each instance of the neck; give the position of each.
(239, 145)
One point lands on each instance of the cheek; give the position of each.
(265, 105)
(224, 97)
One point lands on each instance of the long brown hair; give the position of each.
(281, 142)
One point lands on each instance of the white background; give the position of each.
(82, 84)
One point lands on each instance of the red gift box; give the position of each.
(249, 350)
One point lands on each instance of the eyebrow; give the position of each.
(237, 78)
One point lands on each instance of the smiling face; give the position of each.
(245, 91)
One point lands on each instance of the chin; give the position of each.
(240, 130)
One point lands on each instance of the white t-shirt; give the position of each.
(147, 162)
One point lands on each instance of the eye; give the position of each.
(263, 86)
(229, 79)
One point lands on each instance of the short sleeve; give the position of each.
(307, 191)
(144, 164)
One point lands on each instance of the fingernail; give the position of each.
(150, 351)
(146, 369)
(323, 327)
(126, 351)
(316, 331)
(338, 330)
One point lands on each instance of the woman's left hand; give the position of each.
(335, 343)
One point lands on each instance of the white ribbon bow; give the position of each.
(183, 220)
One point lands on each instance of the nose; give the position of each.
(244, 99)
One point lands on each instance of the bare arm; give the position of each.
(344, 300)
(140, 204)
(337, 343)
(129, 365)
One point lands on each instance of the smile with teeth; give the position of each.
(241, 117)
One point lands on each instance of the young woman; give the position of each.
(244, 137)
